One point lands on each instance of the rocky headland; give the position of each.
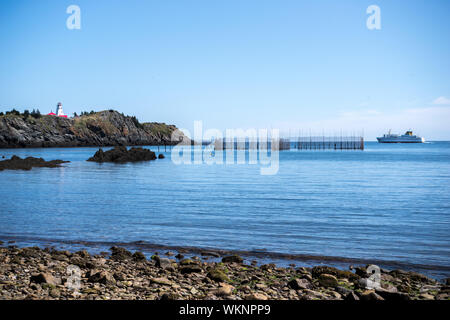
(122, 155)
(104, 128)
(17, 163)
(33, 273)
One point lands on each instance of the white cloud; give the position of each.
(441, 101)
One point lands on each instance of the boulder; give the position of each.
(139, 256)
(361, 271)
(366, 283)
(392, 295)
(317, 271)
(179, 256)
(268, 266)
(66, 253)
(343, 290)
(79, 261)
(169, 296)
(118, 253)
(370, 295)
(119, 276)
(163, 263)
(83, 253)
(55, 293)
(298, 284)
(103, 277)
(47, 278)
(186, 262)
(191, 269)
(426, 296)
(328, 280)
(217, 275)
(351, 296)
(224, 290)
(232, 258)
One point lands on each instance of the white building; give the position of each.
(59, 111)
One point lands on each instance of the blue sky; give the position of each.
(309, 65)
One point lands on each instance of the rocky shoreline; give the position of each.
(104, 128)
(34, 273)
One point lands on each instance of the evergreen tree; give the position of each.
(13, 111)
(26, 114)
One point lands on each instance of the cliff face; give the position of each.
(105, 128)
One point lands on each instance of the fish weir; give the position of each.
(330, 143)
(248, 144)
(298, 143)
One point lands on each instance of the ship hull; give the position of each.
(418, 140)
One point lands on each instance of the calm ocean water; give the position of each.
(387, 203)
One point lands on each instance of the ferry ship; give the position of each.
(408, 137)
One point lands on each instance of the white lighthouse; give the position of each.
(59, 110)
